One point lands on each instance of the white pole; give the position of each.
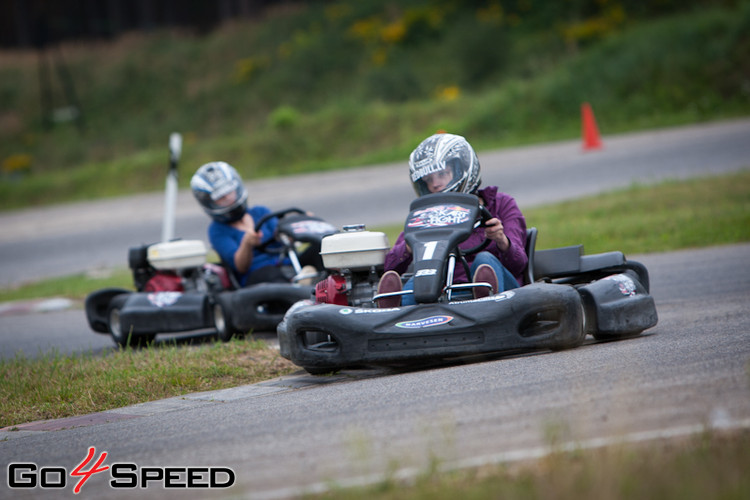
(170, 199)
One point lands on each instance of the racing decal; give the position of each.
(425, 322)
(312, 227)
(348, 310)
(163, 299)
(495, 298)
(426, 272)
(625, 283)
(438, 216)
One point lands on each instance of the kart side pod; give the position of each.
(617, 306)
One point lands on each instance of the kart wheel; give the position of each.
(123, 338)
(222, 313)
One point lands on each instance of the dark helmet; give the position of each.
(218, 188)
(445, 151)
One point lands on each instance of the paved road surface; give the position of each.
(688, 373)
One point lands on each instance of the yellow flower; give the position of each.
(16, 163)
(450, 93)
(394, 32)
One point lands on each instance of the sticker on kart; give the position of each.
(425, 322)
(349, 310)
(164, 299)
(624, 283)
(495, 298)
(438, 216)
(312, 227)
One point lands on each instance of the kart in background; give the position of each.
(177, 290)
(570, 295)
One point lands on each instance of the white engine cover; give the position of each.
(355, 250)
(178, 254)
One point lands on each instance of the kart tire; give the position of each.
(124, 338)
(222, 318)
(96, 306)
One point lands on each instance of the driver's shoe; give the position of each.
(484, 274)
(389, 282)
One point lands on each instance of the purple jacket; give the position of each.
(500, 205)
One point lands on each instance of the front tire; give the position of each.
(124, 337)
(222, 316)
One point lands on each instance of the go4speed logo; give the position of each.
(122, 475)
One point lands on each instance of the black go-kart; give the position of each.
(177, 290)
(570, 295)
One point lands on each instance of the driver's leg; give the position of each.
(506, 281)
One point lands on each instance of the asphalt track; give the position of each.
(301, 433)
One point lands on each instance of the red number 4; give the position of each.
(86, 474)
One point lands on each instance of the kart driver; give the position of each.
(219, 190)
(447, 162)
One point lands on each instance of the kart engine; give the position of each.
(178, 265)
(355, 258)
(347, 288)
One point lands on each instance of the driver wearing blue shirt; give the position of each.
(232, 233)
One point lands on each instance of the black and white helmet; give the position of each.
(443, 154)
(218, 188)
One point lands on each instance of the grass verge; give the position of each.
(711, 465)
(56, 386)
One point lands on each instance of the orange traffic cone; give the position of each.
(591, 139)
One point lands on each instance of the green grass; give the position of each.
(712, 465)
(322, 86)
(55, 386)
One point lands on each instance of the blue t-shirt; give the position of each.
(226, 239)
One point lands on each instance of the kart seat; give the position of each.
(528, 273)
(564, 261)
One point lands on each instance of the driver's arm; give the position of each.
(243, 257)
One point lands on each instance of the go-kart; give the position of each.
(177, 290)
(568, 296)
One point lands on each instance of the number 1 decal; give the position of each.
(429, 250)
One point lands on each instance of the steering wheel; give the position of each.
(484, 216)
(267, 217)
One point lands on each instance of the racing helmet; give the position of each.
(449, 155)
(218, 188)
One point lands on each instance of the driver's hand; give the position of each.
(495, 232)
(252, 238)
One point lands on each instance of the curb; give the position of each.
(35, 306)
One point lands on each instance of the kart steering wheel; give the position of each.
(267, 217)
(484, 216)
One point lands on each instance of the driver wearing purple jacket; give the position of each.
(447, 162)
